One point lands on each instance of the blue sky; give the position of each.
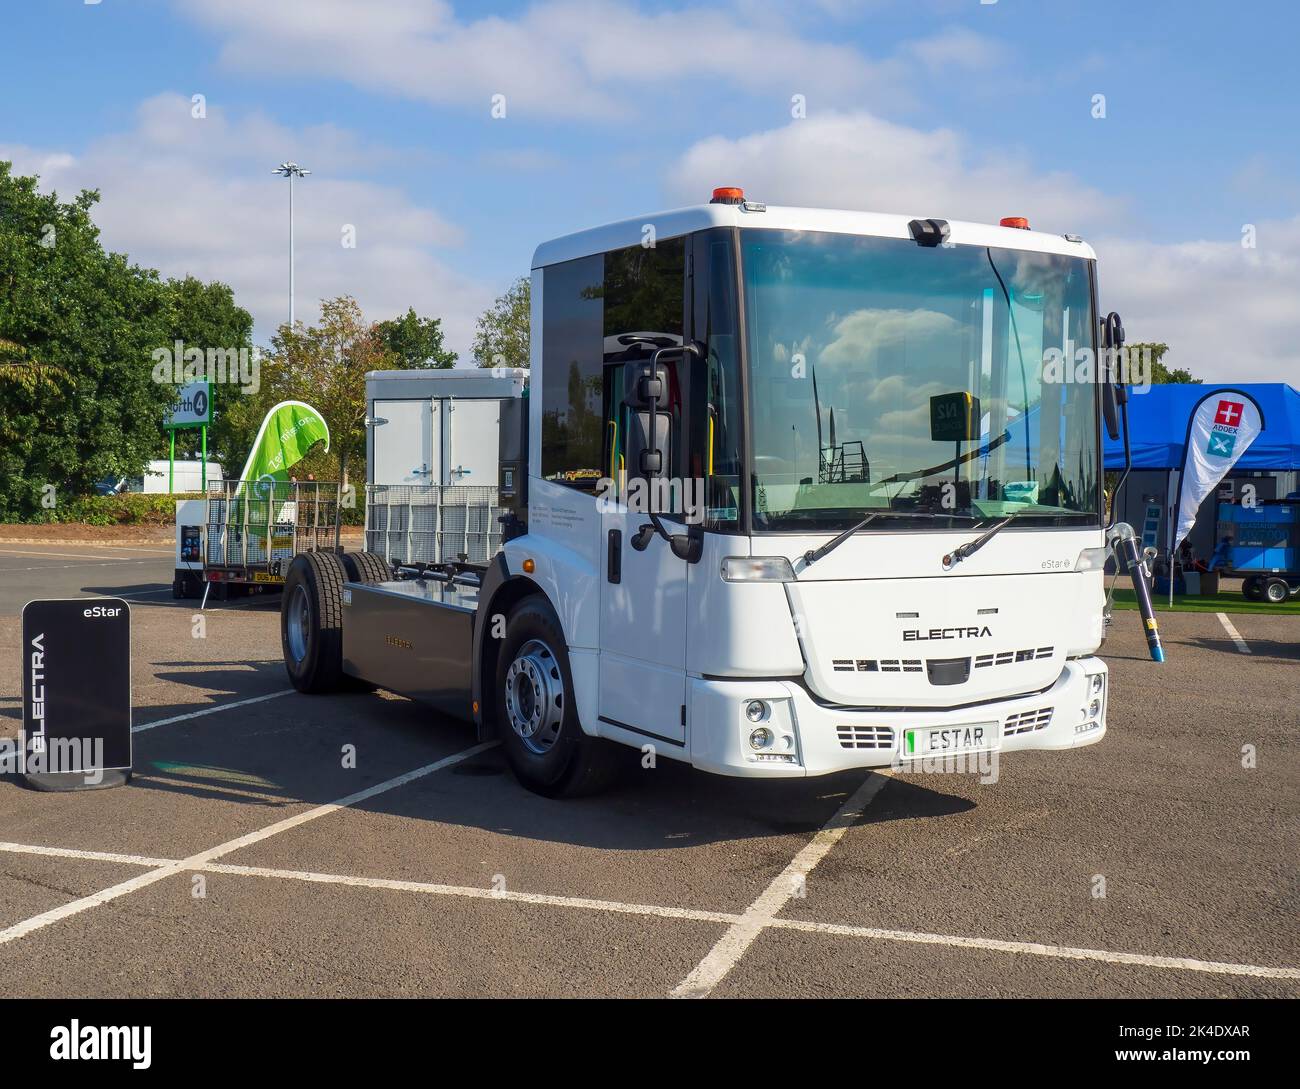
(951, 108)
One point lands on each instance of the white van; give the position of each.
(186, 476)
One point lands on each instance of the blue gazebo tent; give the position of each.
(1158, 426)
(1158, 421)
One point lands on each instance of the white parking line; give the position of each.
(993, 945)
(733, 944)
(1233, 633)
(198, 861)
(470, 892)
(91, 856)
(211, 710)
(1066, 952)
(74, 566)
(66, 556)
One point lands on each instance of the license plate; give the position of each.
(949, 740)
(263, 576)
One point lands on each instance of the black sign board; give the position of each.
(76, 670)
(955, 417)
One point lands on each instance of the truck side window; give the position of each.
(716, 328)
(644, 297)
(572, 417)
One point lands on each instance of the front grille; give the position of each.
(1024, 722)
(1007, 657)
(876, 665)
(866, 737)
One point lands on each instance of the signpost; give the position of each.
(76, 671)
(192, 408)
(955, 418)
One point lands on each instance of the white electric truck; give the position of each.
(791, 491)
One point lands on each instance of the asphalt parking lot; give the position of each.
(249, 857)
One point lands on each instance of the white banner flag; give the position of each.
(1223, 425)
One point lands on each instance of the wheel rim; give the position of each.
(535, 696)
(1275, 592)
(298, 623)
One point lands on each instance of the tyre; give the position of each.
(1251, 589)
(538, 719)
(367, 567)
(311, 622)
(1276, 591)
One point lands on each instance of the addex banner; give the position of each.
(1223, 425)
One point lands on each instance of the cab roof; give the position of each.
(680, 221)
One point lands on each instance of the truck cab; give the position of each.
(719, 393)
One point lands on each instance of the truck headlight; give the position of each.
(757, 569)
(1092, 559)
(756, 710)
(760, 738)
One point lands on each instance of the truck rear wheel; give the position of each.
(311, 622)
(367, 567)
(1251, 589)
(543, 740)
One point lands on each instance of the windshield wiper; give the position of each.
(971, 547)
(815, 554)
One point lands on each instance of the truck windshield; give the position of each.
(940, 382)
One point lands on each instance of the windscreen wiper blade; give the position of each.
(971, 547)
(815, 554)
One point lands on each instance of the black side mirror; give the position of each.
(688, 546)
(645, 389)
(1114, 393)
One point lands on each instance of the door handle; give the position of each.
(614, 556)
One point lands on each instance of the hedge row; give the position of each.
(136, 509)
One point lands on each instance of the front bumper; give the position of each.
(813, 739)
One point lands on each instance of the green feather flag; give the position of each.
(289, 431)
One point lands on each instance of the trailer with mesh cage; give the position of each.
(252, 530)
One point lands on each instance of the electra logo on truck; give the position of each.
(913, 635)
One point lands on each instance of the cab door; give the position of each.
(642, 632)
(643, 592)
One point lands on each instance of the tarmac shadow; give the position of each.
(1275, 649)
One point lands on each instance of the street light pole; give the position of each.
(290, 171)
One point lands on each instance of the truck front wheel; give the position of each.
(311, 622)
(540, 732)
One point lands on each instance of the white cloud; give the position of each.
(1228, 313)
(561, 58)
(860, 161)
(197, 196)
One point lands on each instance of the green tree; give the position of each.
(77, 328)
(501, 336)
(416, 341)
(1160, 373)
(205, 315)
(325, 365)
